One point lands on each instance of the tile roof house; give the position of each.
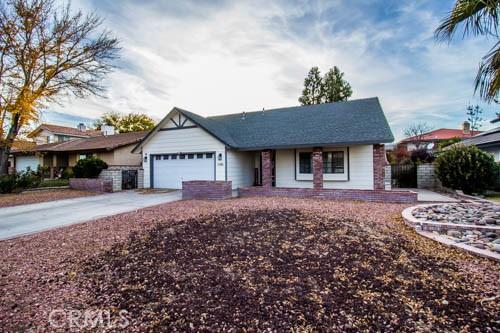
(430, 139)
(49, 133)
(331, 150)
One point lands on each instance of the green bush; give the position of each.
(7, 183)
(68, 173)
(27, 179)
(466, 168)
(54, 182)
(89, 167)
(19, 181)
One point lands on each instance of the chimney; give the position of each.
(107, 130)
(81, 127)
(466, 127)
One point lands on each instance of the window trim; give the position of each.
(327, 177)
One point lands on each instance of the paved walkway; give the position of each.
(430, 196)
(27, 219)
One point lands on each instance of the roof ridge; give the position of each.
(289, 107)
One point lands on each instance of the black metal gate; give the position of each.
(404, 175)
(129, 179)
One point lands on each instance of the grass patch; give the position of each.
(54, 182)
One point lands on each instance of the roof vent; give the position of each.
(466, 127)
(107, 130)
(243, 115)
(263, 110)
(81, 127)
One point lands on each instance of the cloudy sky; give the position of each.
(217, 57)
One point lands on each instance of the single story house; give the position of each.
(430, 140)
(488, 141)
(124, 167)
(326, 146)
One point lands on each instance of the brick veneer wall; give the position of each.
(91, 184)
(334, 194)
(206, 189)
(379, 163)
(267, 177)
(317, 166)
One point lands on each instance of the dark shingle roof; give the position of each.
(486, 138)
(359, 121)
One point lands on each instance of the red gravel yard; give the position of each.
(247, 264)
(30, 197)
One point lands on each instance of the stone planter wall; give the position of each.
(114, 174)
(426, 177)
(91, 184)
(333, 194)
(206, 189)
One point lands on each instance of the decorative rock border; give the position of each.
(431, 230)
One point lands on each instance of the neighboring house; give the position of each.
(431, 139)
(488, 141)
(48, 133)
(115, 150)
(272, 147)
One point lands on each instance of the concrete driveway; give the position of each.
(27, 219)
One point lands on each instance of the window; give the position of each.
(182, 156)
(199, 155)
(158, 157)
(190, 156)
(165, 157)
(208, 155)
(333, 162)
(174, 157)
(305, 163)
(84, 156)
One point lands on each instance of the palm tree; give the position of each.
(480, 18)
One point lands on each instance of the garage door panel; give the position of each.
(25, 162)
(170, 173)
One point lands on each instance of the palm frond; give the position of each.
(488, 76)
(479, 17)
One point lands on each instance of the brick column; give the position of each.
(317, 166)
(267, 180)
(379, 163)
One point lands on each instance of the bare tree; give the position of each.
(416, 132)
(47, 52)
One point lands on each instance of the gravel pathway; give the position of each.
(280, 264)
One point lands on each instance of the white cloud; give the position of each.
(236, 56)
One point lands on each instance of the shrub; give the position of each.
(54, 182)
(68, 173)
(27, 179)
(466, 168)
(89, 167)
(7, 183)
(421, 155)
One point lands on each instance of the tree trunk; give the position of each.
(6, 145)
(4, 160)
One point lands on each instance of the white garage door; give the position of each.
(169, 170)
(25, 162)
